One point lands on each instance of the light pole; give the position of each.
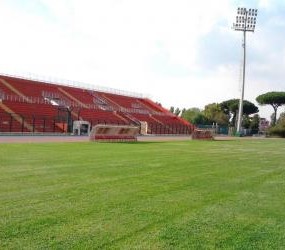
(245, 21)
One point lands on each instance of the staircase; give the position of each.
(14, 90)
(72, 97)
(17, 117)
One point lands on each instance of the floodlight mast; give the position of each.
(245, 21)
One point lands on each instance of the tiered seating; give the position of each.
(9, 124)
(144, 118)
(172, 123)
(23, 108)
(113, 102)
(41, 119)
(160, 126)
(102, 101)
(139, 110)
(153, 106)
(82, 95)
(30, 88)
(5, 89)
(97, 116)
(167, 119)
(32, 102)
(126, 102)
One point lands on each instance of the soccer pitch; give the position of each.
(146, 195)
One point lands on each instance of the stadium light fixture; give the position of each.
(245, 21)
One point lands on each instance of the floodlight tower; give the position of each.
(245, 21)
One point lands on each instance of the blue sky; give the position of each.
(182, 53)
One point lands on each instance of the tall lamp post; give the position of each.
(245, 21)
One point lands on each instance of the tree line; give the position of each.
(225, 113)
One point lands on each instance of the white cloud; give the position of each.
(150, 46)
(265, 4)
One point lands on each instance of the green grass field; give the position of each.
(157, 195)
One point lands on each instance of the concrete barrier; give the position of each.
(114, 133)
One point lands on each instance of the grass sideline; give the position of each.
(157, 195)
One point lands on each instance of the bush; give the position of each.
(277, 131)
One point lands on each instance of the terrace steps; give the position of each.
(17, 117)
(112, 101)
(131, 118)
(144, 105)
(83, 104)
(155, 106)
(121, 117)
(160, 122)
(72, 97)
(14, 90)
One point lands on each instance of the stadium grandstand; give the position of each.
(30, 105)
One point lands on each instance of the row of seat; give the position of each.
(81, 104)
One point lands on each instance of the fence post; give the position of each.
(54, 125)
(44, 125)
(22, 128)
(34, 123)
(11, 123)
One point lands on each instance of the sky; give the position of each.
(180, 53)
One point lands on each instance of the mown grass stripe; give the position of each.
(166, 195)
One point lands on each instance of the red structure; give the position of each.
(29, 106)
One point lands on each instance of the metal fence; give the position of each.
(15, 123)
(154, 128)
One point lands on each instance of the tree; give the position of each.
(251, 122)
(281, 120)
(279, 128)
(275, 99)
(272, 119)
(175, 111)
(254, 123)
(172, 109)
(194, 115)
(246, 120)
(214, 113)
(230, 107)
